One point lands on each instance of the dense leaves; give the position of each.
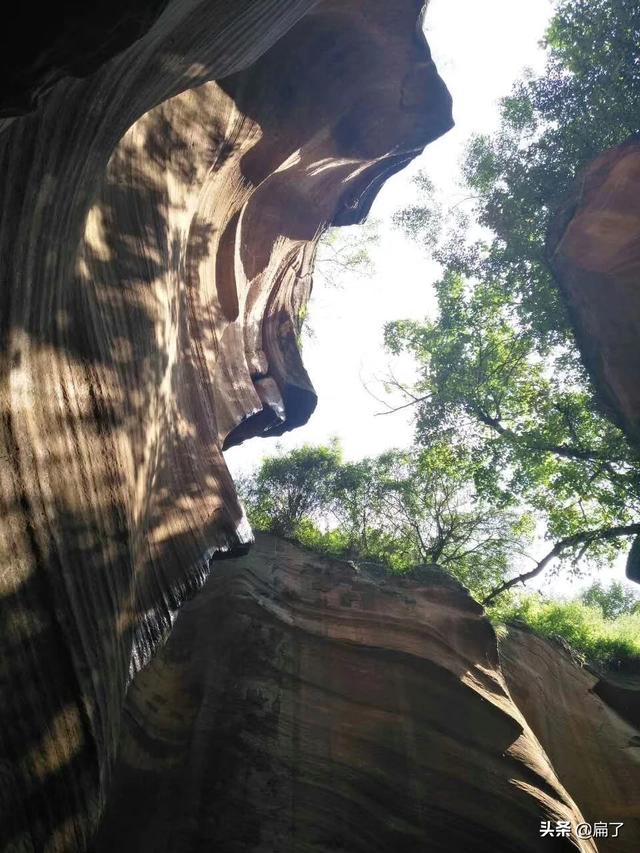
(500, 375)
(587, 100)
(288, 490)
(612, 601)
(400, 509)
(599, 639)
(531, 424)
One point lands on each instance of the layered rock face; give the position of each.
(587, 726)
(594, 248)
(300, 705)
(157, 236)
(594, 251)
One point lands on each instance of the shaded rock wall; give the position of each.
(71, 39)
(299, 705)
(157, 236)
(593, 749)
(594, 248)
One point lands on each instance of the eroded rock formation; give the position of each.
(300, 705)
(594, 251)
(587, 729)
(157, 235)
(594, 248)
(71, 40)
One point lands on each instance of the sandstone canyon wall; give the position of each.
(594, 248)
(587, 726)
(166, 169)
(301, 705)
(157, 236)
(594, 251)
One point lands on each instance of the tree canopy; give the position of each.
(551, 126)
(613, 601)
(499, 372)
(400, 509)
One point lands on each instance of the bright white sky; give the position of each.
(480, 49)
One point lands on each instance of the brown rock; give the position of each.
(299, 705)
(157, 236)
(594, 248)
(593, 749)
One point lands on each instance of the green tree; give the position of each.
(289, 490)
(614, 600)
(400, 509)
(500, 374)
(551, 126)
(531, 425)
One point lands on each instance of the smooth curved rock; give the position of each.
(299, 705)
(157, 236)
(594, 249)
(576, 717)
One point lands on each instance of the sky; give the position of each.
(480, 49)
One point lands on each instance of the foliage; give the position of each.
(614, 601)
(551, 126)
(400, 509)
(587, 100)
(421, 222)
(536, 434)
(601, 640)
(289, 490)
(500, 375)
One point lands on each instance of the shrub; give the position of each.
(601, 641)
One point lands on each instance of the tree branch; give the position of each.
(565, 450)
(394, 409)
(584, 538)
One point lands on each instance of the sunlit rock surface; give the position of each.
(588, 727)
(300, 705)
(157, 236)
(594, 247)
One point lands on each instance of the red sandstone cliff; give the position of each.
(594, 248)
(583, 726)
(157, 237)
(300, 705)
(594, 251)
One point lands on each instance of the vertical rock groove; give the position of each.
(158, 222)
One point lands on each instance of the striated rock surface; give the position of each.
(157, 236)
(594, 248)
(299, 705)
(585, 727)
